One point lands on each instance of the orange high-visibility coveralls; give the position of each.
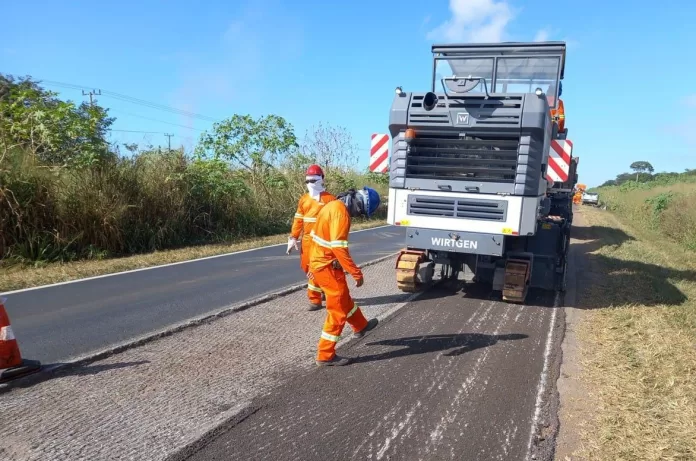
(305, 218)
(330, 245)
(560, 112)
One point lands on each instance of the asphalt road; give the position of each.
(56, 323)
(450, 376)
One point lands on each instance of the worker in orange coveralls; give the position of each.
(560, 111)
(329, 257)
(305, 217)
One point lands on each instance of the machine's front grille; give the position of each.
(493, 111)
(455, 157)
(454, 207)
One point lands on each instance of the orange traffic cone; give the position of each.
(11, 363)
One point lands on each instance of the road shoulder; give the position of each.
(572, 405)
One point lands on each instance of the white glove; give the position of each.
(292, 242)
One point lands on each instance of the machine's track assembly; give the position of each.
(516, 284)
(407, 265)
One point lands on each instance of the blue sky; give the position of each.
(629, 90)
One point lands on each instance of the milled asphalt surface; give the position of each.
(150, 401)
(449, 376)
(57, 323)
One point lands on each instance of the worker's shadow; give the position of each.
(456, 344)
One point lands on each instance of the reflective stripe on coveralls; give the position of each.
(305, 218)
(312, 287)
(340, 309)
(330, 243)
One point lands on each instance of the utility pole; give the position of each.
(91, 93)
(169, 141)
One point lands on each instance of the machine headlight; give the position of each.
(538, 92)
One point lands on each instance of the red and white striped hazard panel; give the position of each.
(559, 160)
(379, 153)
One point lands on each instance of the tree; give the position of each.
(253, 145)
(640, 167)
(330, 147)
(57, 132)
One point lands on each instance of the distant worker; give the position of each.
(305, 217)
(558, 114)
(329, 257)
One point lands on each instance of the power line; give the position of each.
(133, 100)
(138, 131)
(155, 120)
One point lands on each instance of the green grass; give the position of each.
(637, 336)
(666, 207)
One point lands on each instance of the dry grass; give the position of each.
(17, 277)
(638, 343)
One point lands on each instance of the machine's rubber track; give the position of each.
(407, 265)
(516, 284)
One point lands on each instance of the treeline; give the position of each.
(66, 193)
(643, 172)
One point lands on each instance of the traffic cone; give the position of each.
(12, 365)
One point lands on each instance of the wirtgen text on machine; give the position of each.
(454, 243)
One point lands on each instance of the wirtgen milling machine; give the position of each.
(482, 173)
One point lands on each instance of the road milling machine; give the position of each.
(481, 169)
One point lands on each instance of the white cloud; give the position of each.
(475, 21)
(542, 35)
(484, 21)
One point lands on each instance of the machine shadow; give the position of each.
(369, 301)
(605, 282)
(484, 292)
(593, 238)
(597, 275)
(457, 344)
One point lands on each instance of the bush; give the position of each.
(66, 197)
(148, 202)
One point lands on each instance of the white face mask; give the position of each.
(316, 188)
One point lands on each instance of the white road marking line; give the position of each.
(544, 374)
(160, 266)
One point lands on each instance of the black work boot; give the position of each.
(314, 307)
(370, 326)
(335, 362)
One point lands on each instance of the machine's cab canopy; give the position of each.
(500, 68)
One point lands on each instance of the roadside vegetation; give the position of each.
(74, 205)
(638, 333)
(663, 202)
